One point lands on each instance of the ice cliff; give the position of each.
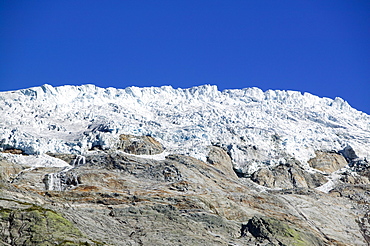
(257, 128)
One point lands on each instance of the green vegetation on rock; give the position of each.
(35, 225)
(279, 233)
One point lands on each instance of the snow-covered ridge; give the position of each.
(73, 119)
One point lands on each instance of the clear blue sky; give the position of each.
(318, 46)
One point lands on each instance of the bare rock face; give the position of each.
(271, 231)
(365, 227)
(354, 178)
(221, 159)
(328, 162)
(69, 158)
(9, 170)
(349, 153)
(361, 167)
(28, 224)
(218, 156)
(287, 176)
(113, 198)
(139, 145)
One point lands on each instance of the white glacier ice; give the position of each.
(74, 119)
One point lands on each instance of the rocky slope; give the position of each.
(163, 166)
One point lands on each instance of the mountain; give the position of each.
(83, 165)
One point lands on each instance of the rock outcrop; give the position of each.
(274, 232)
(288, 175)
(327, 162)
(221, 159)
(139, 145)
(112, 198)
(28, 224)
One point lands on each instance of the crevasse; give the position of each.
(63, 119)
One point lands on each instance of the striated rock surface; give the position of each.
(184, 167)
(327, 162)
(117, 199)
(287, 176)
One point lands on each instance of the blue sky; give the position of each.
(316, 46)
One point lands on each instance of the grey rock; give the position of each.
(278, 233)
(112, 198)
(349, 153)
(287, 176)
(364, 223)
(354, 179)
(69, 158)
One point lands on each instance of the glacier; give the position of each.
(257, 128)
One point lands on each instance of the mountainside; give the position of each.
(164, 166)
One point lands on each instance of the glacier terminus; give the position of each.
(274, 124)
